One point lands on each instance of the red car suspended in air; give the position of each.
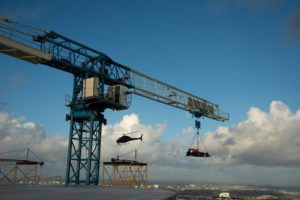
(197, 153)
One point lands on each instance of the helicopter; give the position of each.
(125, 138)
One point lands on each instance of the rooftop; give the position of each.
(46, 192)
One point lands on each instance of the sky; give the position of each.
(243, 55)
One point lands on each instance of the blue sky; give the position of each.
(238, 54)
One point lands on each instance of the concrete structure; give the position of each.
(43, 192)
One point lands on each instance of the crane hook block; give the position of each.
(197, 124)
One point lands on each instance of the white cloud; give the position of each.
(188, 130)
(129, 123)
(17, 133)
(264, 139)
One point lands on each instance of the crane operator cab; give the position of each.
(118, 97)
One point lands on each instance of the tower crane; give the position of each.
(100, 83)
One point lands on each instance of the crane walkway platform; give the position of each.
(52, 192)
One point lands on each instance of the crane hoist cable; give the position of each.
(28, 150)
(13, 151)
(136, 155)
(22, 33)
(195, 152)
(27, 27)
(197, 136)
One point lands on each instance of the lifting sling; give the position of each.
(195, 152)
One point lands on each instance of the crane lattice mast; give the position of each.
(99, 83)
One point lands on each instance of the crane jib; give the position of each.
(60, 52)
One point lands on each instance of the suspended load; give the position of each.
(197, 153)
(194, 151)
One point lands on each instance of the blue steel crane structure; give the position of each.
(99, 83)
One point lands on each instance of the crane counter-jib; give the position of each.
(22, 51)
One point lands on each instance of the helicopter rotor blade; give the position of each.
(131, 132)
(119, 134)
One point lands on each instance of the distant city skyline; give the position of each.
(242, 55)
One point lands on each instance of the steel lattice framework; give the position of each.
(13, 171)
(130, 174)
(86, 114)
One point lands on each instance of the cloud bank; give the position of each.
(19, 133)
(263, 140)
